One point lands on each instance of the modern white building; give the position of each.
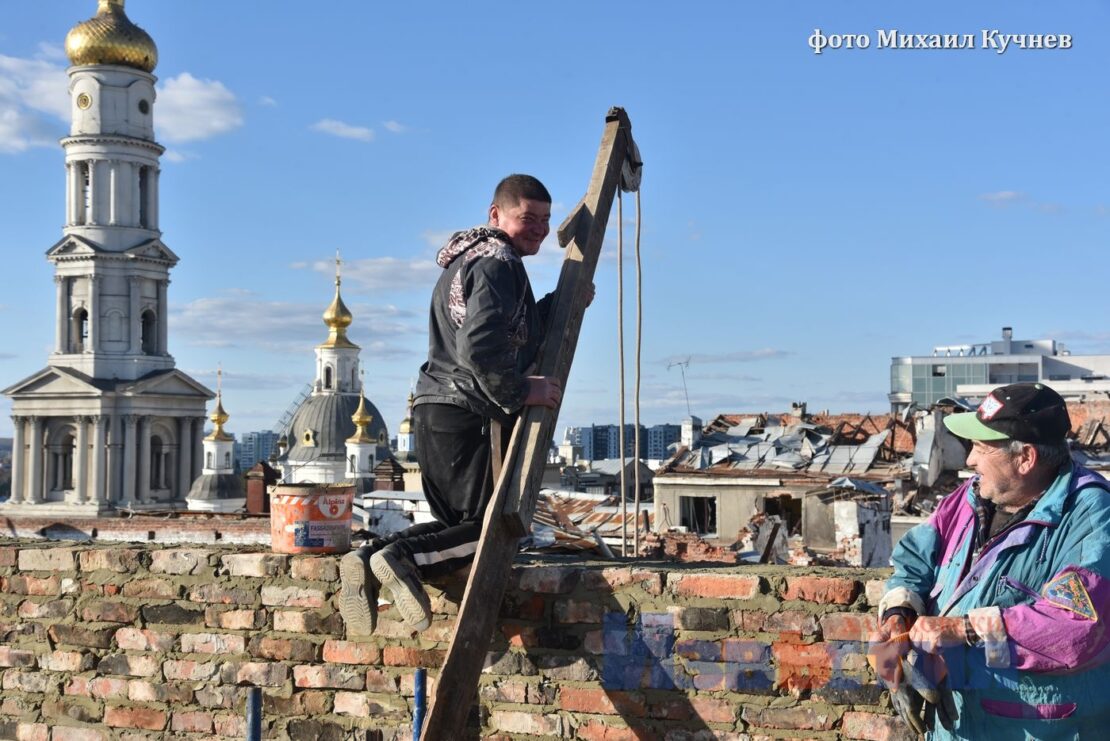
(972, 371)
(110, 422)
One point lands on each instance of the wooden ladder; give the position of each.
(510, 511)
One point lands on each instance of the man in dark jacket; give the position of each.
(484, 332)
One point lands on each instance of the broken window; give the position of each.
(698, 514)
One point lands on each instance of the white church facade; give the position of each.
(110, 422)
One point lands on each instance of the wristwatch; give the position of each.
(972, 638)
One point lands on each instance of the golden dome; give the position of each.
(338, 317)
(362, 420)
(110, 37)
(405, 428)
(219, 417)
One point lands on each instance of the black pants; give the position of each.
(453, 447)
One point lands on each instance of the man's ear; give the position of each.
(1027, 459)
(494, 215)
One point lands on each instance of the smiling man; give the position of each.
(1002, 597)
(484, 330)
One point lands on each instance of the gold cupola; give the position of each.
(405, 428)
(338, 317)
(219, 417)
(362, 420)
(109, 37)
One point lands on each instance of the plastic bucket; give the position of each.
(311, 518)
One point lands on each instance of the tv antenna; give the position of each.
(682, 366)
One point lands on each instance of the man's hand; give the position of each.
(544, 391)
(888, 648)
(930, 635)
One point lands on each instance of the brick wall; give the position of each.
(153, 642)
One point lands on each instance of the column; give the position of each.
(135, 322)
(18, 442)
(61, 324)
(99, 459)
(81, 462)
(144, 459)
(70, 188)
(114, 181)
(130, 448)
(185, 456)
(136, 194)
(163, 316)
(152, 205)
(198, 446)
(113, 488)
(93, 344)
(92, 218)
(36, 460)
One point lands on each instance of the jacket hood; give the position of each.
(467, 239)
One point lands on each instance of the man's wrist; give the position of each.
(972, 638)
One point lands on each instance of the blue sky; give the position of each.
(805, 217)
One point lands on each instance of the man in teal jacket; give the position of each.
(1004, 593)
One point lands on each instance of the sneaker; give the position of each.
(398, 572)
(358, 592)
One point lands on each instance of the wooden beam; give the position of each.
(509, 513)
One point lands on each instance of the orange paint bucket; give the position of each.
(311, 518)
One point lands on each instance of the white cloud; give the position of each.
(190, 109)
(436, 239)
(233, 379)
(382, 274)
(177, 155)
(1007, 198)
(267, 101)
(241, 319)
(343, 130)
(395, 127)
(33, 100)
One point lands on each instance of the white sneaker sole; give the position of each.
(415, 608)
(354, 601)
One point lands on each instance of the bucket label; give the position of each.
(319, 534)
(332, 505)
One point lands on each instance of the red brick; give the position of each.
(262, 674)
(212, 643)
(293, 596)
(521, 636)
(109, 612)
(191, 722)
(874, 727)
(514, 692)
(352, 703)
(55, 609)
(153, 588)
(598, 731)
(145, 718)
(140, 690)
(191, 671)
(16, 657)
(130, 665)
(791, 621)
(548, 579)
(874, 589)
(749, 621)
(303, 702)
(714, 710)
(796, 718)
(613, 578)
(28, 681)
(297, 621)
(848, 626)
(78, 686)
(117, 560)
(575, 611)
(413, 657)
(220, 696)
(66, 661)
(136, 639)
(339, 677)
(801, 666)
(605, 702)
(103, 688)
(826, 590)
(349, 652)
(9, 556)
(75, 635)
(320, 568)
(180, 561)
(717, 586)
(74, 733)
(254, 564)
(282, 649)
(215, 617)
(379, 681)
(33, 586)
(32, 732)
(512, 721)
(216, 594)
(47, 559)
(230, 725)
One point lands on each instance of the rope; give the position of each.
(620, 363)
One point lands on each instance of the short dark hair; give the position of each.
(513, 188)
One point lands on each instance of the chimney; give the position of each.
(1007, 336)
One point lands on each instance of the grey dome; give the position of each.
(212, 487)
(328, 418)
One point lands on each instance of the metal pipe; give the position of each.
(254, 714)
(421, 691)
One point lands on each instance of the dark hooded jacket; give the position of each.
(484, 328)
